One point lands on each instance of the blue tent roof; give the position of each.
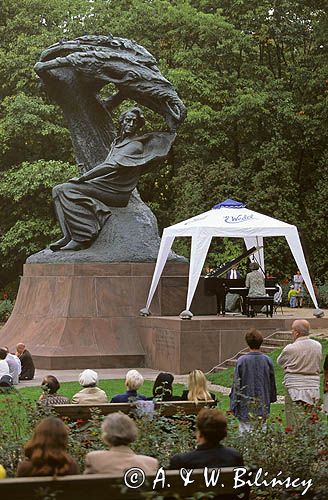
(230, 204)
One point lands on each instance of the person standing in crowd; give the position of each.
(26, 360)
(4, 368)
(90, 394)
(301, 362)
(298, 283)
(15, 366)
(46, 453)
(133, 381)
(254, 386)
(118, 431)
(211, 425)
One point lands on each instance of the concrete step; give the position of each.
(230, 362)
(218, 369)
(268, 348)
(276, 342)
(283, 334)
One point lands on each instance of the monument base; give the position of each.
(83, 315)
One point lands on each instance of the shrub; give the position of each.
(6, 307)
(301, 453)
(297, 453)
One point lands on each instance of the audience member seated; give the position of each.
(6, 382)
(4, 368)
(133, 380)
(15, 366)
(197, 388)
(118, 431)
(50, 386)
(46, 453)
(90, 394)
(211, 428)
(26, 360)
(162, 388)
(255, 281)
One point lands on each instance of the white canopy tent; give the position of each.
(227, 219)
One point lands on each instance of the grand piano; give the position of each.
(216, 284)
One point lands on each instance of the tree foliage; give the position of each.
(254, 76)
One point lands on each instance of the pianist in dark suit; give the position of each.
(232, 300)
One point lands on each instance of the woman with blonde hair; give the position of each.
(197, 388)
(46, 453)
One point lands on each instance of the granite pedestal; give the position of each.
(82, 315)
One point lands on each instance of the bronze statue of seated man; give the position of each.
(82, 204)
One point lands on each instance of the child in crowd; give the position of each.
(292, 296)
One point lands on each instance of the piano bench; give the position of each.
(259, 301)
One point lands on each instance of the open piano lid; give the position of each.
(234, 262)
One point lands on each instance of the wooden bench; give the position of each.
(107, 487)
(166, 408)
(259, 301)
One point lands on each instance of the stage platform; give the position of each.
(74, 316)
(179, 346)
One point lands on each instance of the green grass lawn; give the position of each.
(225, 377)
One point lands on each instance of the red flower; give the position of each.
(80, 423)
(322, 453)
(314, 418)
(288, 429)
(5, 296)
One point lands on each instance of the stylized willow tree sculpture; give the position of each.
(74, 73)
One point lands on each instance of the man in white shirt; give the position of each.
(301, 362)
(4, 368)
(233, 274)
(14, 364)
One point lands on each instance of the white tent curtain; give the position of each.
(164, 250)
(294, 243)
(199, 247)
